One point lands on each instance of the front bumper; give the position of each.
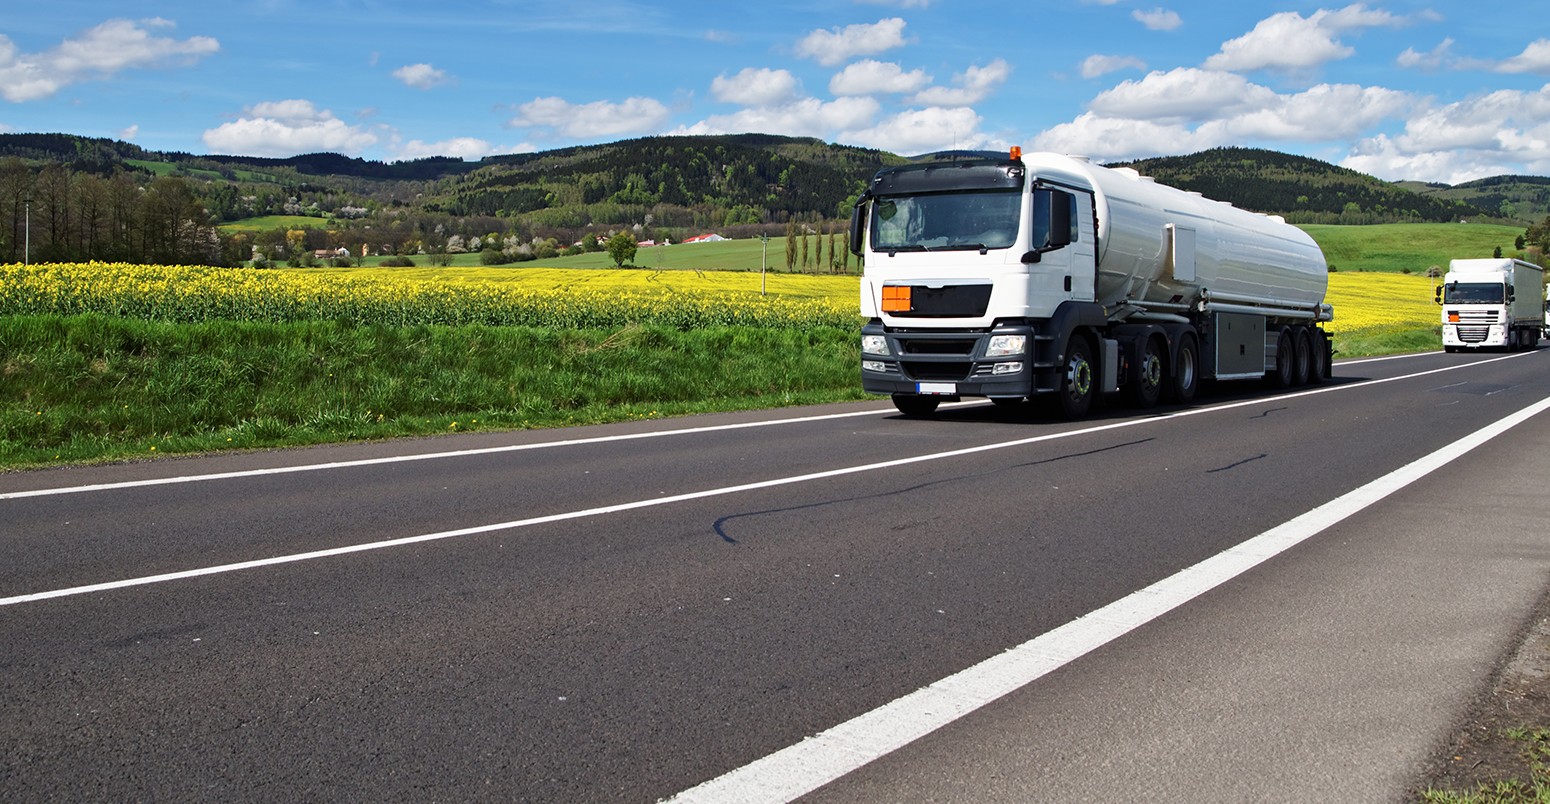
(951, 363)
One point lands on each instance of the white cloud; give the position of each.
(972, 86)
(1111, 139)
(1327, 112)
(1430, 60)
(287, 128)
(808, 117)
(129, 133)
(592, 120)
(1095, 66)
(1189, 109)
(1158, 19)
(920, 131)
(101, 52)
(1181, 95)
(1534, 59)
(834, 46)
(751, 87)
(870, 77)
(457, 147)
(1379, 157)
(1290, 41)
(421, 76)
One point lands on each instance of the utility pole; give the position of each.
(27, 238)
(763, 258)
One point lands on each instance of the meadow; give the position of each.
(1410, 247)
(111, 361)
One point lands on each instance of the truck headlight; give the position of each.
(874, 344)
(1006, 345)
(874, 365)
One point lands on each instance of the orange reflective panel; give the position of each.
(896, 298)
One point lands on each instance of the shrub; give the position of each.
(491, 256)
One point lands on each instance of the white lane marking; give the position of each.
(804, 767)
(589, 512)
(316, 467)
(429, 456)
(656, 501)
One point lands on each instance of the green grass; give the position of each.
(268, 222)
(1394, 342)
(1384, 248)
(727, 255)
(1410, 246)
(92, 388)
(1533, 790)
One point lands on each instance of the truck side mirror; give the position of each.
(858, 225)
(1438, 294)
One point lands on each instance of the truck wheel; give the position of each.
(1144, 384)
(1284, 373)
(1302, 356)
(1184, 379)
(916, 404)
(1321, 368)
(1079, 382)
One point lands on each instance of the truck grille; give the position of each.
(1475, 325)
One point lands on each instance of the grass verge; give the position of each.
(92, 388)
(1534, 745)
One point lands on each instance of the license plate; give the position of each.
(948, 388)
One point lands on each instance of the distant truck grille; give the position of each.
(1472, 334)
(1475, 325)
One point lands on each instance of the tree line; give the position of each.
(66, 198)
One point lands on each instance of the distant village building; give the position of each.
(705, 238)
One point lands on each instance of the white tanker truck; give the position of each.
(1047, 275)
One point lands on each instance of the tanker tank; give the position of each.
(1151, 235)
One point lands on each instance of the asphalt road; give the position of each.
(830, 601)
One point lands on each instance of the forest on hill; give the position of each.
(70, 198)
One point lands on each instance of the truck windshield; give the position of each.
(969, 220)
(1473, 293)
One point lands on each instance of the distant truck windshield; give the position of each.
(1474, 293)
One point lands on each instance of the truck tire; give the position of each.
(916, 404)
(1322, 367)
(1302, 356)
(1078, 380)
(1184, 374)
(1284, 373)
(1144, 380)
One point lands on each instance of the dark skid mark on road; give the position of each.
(1266, 414)
(720, 524)
(1237, 464)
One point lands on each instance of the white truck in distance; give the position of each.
(1492, 303)
(1047, 275)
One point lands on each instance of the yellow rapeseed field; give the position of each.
(542, 298)
(1370, 303)
(1364, 303)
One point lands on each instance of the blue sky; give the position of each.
(1437, 91)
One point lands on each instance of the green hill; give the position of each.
(1301, 189)
(1522, 199)
(1411, 248)
(112, 200)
